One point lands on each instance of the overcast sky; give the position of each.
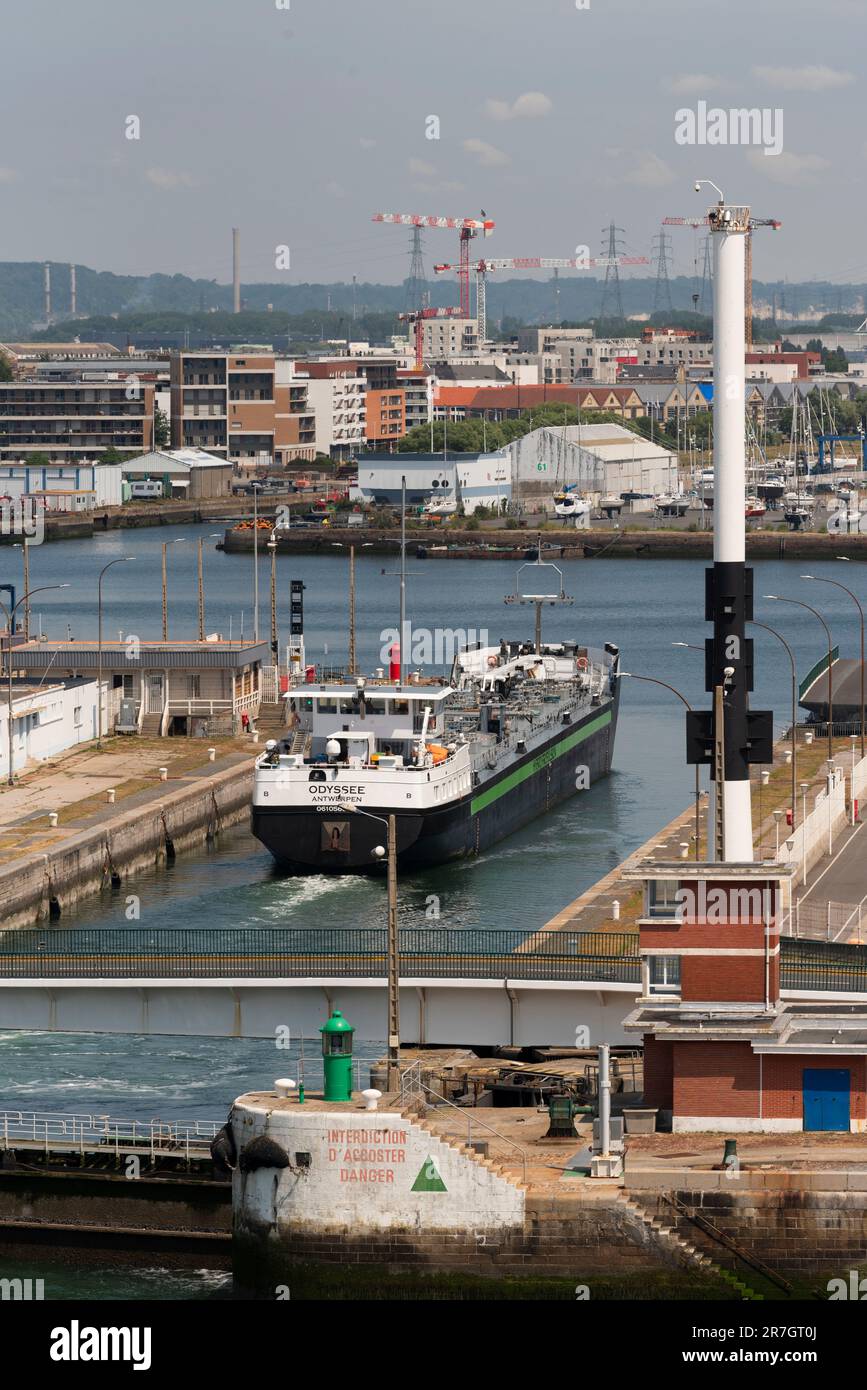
(298, 123)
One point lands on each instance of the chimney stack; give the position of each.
(46, 281)
(73, 297)
(236, 271)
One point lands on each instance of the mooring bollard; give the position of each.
(52, 819)
(615, 910)
(684, 849)
(164, 773)
(110, 796)
(212, 753)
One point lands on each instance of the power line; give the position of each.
(611, 287)
(661, 251)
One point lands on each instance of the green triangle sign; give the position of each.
(428, 1179)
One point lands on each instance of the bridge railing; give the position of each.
(823, 965)
(343, 952)
(277, 952)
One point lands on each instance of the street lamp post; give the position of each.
(799, 603)
(255, 486)
(24, 547)
(121, 560)
(393, 957)
(9, 614)
(794, 735)
(166, 544)
(654, 681)
(819, 579)
(201, 584)
(275, 643)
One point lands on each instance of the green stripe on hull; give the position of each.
(556, 750)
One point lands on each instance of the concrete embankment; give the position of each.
(566, 544)
(50, 883)
(179, 1221)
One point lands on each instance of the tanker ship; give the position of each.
(461, 762)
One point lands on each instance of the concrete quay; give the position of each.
(45, 870)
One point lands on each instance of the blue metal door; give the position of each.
(826, 1098)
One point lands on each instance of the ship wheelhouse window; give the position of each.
(326, 705)
(400, 706)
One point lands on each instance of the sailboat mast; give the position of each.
(352, 610)
(402, 573)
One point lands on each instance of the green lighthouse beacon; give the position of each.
(337, 1054)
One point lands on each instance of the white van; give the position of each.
(145, 487)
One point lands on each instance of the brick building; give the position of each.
(724, 1048)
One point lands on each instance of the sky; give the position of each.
(297, 120)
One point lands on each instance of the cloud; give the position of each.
(366, 143)
(422, 168)
(787, 168)
(812, 79)
(335, 189)
(487, 155)
(443, 186)
(168, 178)
(8, 175)
(649, 171)
(529, 106)
(693, 84)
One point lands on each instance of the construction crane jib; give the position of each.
(484, 267)
(467, 228)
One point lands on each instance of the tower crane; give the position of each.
(466, 227)
(482, 268)
(754, 222)
(416, 317)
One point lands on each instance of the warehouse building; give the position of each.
(597, 459)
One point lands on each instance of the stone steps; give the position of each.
(459, 1146)
(270, 720)
(685, 1250)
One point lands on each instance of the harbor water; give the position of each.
(642, 606)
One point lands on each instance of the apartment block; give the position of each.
(235, 406)
(418, 387)
(75, 420)
(386, 416)
(336, 395)
(449, 337)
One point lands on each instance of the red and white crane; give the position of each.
(482, 269)
(417, 318)
(467, 228)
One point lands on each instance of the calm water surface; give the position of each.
(642, 606)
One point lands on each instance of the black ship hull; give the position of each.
(329, 841)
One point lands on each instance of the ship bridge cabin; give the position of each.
(370, 726)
